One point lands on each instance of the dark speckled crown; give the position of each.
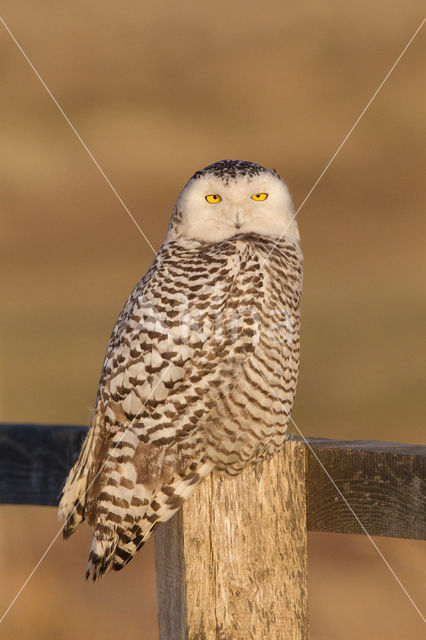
(233, 169)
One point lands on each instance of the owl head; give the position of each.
(232, 197)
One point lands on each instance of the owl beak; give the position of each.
(238, 220)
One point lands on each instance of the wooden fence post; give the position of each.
(232, 563)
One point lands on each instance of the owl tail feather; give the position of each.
(74, 494)
(114, 545)
(113, 553)
(100, 556)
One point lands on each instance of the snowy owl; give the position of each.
(201, 369)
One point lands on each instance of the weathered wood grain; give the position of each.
(232, 564)
(383, 482)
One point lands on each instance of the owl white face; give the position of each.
(214, 208)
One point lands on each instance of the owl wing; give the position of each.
(143, 455)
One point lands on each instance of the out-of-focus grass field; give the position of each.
(158, 90)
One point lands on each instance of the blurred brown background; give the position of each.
(158, 90)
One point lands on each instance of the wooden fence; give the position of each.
(232, 563)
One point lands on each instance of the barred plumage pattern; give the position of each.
(200, 374)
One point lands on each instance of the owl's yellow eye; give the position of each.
(213, 198)
(259, 196)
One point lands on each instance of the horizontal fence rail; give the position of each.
(384, 482)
